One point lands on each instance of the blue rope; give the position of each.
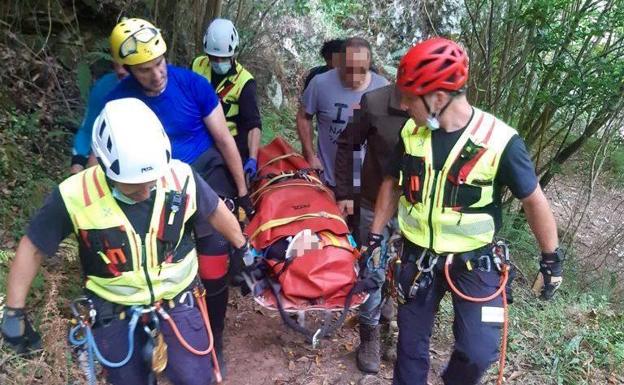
(92, 349)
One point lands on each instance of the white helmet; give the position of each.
(221, 38)
(130, 143)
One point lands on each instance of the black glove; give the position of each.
(245, 203)
(551, 267)
(365, 283)
(240, 259)
(18, 332)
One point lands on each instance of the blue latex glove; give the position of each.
(251, 167)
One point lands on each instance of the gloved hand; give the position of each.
(368, 250)
(250, 167)
(240, 259)
(366, 279)
(245, 203)
(18, 332)
(551, 268)
(366, 282)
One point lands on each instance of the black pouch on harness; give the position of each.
(413, 168)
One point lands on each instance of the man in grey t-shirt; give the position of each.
(331, 97)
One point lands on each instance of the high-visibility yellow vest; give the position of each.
(229, 89)
(450, 210)
(119, 264)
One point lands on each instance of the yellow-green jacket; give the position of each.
(450, 210)
(121, 265)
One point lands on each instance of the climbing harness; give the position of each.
(500, 258)
(83, 328)
(81, 334)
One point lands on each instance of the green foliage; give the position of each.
(574, 339)
(342, 10)
(549, 68)
(27, 174)
(84, 79)
(279, 123)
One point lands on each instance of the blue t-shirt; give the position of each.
(187, 99)
(97, 98)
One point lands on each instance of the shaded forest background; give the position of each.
(554, 69)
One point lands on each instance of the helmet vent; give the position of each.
(156, 42)
(425, 63)
(127, 31)
(447, 63)
(102, 127)
(114, 167)
(439, 51)
(109, 144)
(168, 154)
(230, 48)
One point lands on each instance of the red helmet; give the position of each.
(434, 64)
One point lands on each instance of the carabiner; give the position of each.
(74, 306)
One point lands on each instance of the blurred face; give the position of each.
(152, 75)
(137, 192)
(120, 71)
(356, 67)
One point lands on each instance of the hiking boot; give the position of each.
(389, 336)
(368, 359)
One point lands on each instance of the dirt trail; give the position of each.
(261, 350)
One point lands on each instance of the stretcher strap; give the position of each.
(284, 221)
(312, 179)
(256, 195)
(279, 158)
(328, 326)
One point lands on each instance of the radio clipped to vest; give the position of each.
(413, 171)
(172, 218)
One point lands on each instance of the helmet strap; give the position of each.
(433, 123)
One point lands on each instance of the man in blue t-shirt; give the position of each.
(193, 118)
(97, 97)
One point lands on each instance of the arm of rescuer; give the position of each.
(23, 270)
(227, 225)
(541, 220)
(215, 122)
(386, 204)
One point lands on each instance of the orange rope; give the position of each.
(201, 304)
(500, 291)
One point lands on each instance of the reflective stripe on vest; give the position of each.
(229, 89)
(449, 210)
(120, 265)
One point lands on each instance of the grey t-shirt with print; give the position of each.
(333, 105)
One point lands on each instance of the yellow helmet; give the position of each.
(135, 41)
